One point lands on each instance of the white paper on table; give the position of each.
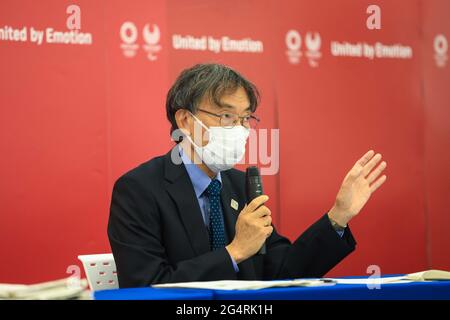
(246, 284)
(57, 289)
(373, 281)
(254, 285)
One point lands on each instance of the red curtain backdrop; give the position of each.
(74, 117)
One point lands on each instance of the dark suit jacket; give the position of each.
(157, 233)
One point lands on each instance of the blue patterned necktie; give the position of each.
(216, 225)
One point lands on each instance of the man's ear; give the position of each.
(183, 120)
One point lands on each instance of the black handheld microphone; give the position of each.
(253, 188)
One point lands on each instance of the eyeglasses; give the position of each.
(229, 120)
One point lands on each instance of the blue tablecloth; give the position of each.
(434, 290)
(153, 294)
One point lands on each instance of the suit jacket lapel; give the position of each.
(180, 189)
(230, 214)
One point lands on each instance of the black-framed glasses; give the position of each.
(230, 120)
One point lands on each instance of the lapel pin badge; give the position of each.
(234, 204)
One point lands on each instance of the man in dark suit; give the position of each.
(183, 216)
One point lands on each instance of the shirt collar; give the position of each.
(200, 180)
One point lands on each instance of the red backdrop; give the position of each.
(74, 117)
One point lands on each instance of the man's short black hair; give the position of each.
(209, 80)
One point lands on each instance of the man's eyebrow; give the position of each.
(229, 106)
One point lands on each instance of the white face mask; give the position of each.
(225, 147)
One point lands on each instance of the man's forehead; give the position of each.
(232, 102)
